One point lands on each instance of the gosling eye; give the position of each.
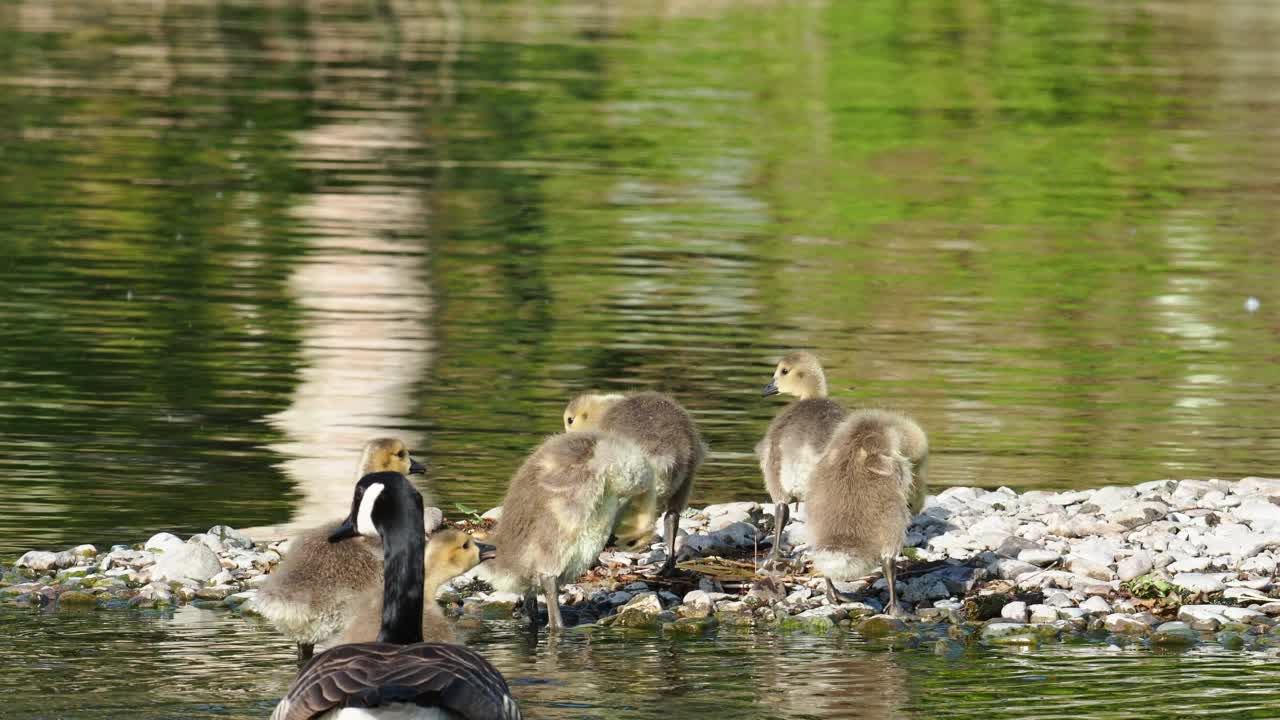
(785, 371)
(466, 545)
(402, 454)
(569, 420)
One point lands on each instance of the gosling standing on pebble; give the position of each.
(860, 497)
(308, 596)
(398, 677)
(559, 510)
(449, 553)
(797, 436)
(665, 432)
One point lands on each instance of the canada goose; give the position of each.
(667, 435)
(399, 676)
(559, 510)
(859, 498)
(449, 554)
(797, 436)
(308, 596)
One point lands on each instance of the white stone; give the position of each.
(163, 542)
(38, 560)
(1112, 497)
(1043, 613)
(1202, 613)
(194, 562)
(1089, 567)
(494, 514)
(1041, 558)
(1016, 611)
(1189, 565)
(1200, 582)
(1242, 615)
(1095, 605)
(1259, 485)
(1135, 566)
(1259, 512)
(1139, 513)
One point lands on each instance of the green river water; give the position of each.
(237, 238)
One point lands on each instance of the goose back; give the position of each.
(452, 678)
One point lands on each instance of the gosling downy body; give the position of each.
(309, 595)
(559, 511)
(449, 554)
(796, 438)
(666, 433)
(859, 498)
(399, 676)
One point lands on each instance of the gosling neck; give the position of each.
(403, 545)
(814, 388)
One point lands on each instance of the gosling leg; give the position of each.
(531, 607)
(671, 524)
(552, 595)
(888, 565)
(781, 514)
(834, 596)
(305, 651)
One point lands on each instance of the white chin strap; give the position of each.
(364, 519)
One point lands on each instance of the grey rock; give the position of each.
(1041, 613)
(619, 598)
(1243, 615)
(84, 551)
(1059, 600)
(1010, 633)
(194, 562)
(494, 514)
(1175, 633)
(230, 537)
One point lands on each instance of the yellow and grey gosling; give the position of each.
(859, 498)
(399, 676)
(450, 553)
(665, 432)
(308, 596)
(797, 437)
(559, 510)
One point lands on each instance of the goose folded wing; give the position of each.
(369, 675)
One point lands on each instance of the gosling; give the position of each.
(667, 435)
(308, 597)
(558, 513)
(860, 496)
(399, 676)
(449, 554)
(797, 436)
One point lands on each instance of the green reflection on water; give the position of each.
(1014, 223)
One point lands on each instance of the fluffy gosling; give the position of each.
(666, 433)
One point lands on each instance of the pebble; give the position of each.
(1081, 549)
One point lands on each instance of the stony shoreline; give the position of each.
(1165, 563)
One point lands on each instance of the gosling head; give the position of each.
(800, 374)
(587, 410)
(388, 454)
(453, 552)
(383, 502)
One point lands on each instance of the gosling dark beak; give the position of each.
(487, 551)
(345, 531)
(770, 389)
(416, 468)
